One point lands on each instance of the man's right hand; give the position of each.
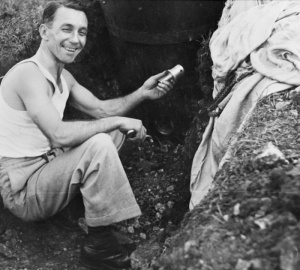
(136, 125)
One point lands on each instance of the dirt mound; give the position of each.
(251, 218)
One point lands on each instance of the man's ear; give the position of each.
(43, 29)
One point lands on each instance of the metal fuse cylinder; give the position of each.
(173, 74)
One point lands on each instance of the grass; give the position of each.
(19, 20)
(19, 39)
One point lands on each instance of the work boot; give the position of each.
(101, 250)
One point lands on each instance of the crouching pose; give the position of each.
(45, 162)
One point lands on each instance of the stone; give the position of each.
(170, 188)
(281, 105)
(6, 252)
(270, 155)
(289, 254)
(143, 256)
(189, 244)
(236, 209)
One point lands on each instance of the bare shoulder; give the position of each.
(25, 81)
(25, 75)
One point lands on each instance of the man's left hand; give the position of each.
(152, 89)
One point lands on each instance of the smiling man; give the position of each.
(45, 161)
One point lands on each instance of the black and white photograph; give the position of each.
(149, 135)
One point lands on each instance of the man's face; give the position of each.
(67, 35)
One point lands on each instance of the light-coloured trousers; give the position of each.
(92, 168)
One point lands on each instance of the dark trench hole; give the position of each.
(112, 66)
(118, 62)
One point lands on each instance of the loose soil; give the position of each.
(159, 177)
(250, 220)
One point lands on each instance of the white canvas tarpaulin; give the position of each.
(265, 38)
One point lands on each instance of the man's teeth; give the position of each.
(70, 49)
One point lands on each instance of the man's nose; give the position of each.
(75, 37)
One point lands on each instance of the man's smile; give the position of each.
(69, 49)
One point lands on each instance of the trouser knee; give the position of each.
(101, 142)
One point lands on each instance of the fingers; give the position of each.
(165, 86)
(159, 75)
(141, 134)
(137, 131)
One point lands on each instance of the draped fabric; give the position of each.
(264, 37)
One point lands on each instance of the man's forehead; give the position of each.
(70, 16)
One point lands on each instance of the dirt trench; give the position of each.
(250, 220)
(158, 172)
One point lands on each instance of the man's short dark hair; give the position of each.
(51, 8)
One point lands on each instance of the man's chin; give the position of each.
(68, 60)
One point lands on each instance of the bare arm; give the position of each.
(85, 101)
(35, 95)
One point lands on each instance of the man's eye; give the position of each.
(68, 30)
(83, 33)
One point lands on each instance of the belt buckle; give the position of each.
(48, 156)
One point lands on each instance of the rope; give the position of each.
(232, 79)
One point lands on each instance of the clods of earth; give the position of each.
(159, 177)
(249, 221)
